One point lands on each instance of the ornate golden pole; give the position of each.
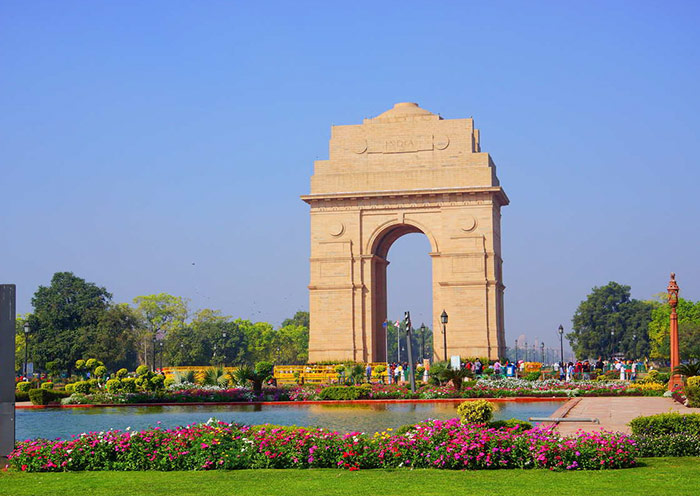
(675, 355)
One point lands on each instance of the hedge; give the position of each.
(666, 423)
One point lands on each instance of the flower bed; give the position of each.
(430, 444)
(483, 388)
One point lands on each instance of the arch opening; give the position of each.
(407, 285)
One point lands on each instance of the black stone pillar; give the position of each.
(7, 370)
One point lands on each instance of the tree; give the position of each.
(113, 340)
(688, 329)
(608, 321)
(65, 310)
(20, 343)
(301, 318)
(290, 344)
(159, 313)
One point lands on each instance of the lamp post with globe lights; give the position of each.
(443, 319)
(561, 342)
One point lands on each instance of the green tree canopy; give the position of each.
(608, 321)
(63, 312)
(113, 341)
(688, 329)
(301, 318)
(159, 314)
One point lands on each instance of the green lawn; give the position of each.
(658, 476)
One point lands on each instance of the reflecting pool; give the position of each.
(52, 423)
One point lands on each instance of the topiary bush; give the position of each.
(23, 386)
(340, 393)
(169, 381)
(91, 363)
(70, 388)
(475, 412)
(21, 396)
(113, 386)
(45, 396)
(121, 373)
(156, 382)
(666, 423)
(47, 385)
(82, 387)
(100, 371)
(141, 370)
(128, 385)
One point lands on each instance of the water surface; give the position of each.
(52, 423)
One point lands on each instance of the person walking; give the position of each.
(477, 367)
(368, 371)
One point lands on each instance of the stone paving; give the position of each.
(615, 413)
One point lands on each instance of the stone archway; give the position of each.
(407, 170)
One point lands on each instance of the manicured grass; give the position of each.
(657, 476)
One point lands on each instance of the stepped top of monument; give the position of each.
(405, 148)
(404, 111)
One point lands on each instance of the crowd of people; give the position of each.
(626, 369)
(398, 372)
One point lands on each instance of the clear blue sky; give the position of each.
(138, 138)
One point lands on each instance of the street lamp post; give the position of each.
(422, 346)
(398, 343)
(160, 345)
(27, 330)
(516, 351)
(542, 348)
(153, 354)
(443, 319)
(612, 343)
(526, 350)
(561, 342)
(223, 357)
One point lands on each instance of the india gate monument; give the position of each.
(405, 171)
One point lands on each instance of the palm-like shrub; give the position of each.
(689, 369)
(436, 371)
(184, 376)
(256, 376)
(457, 376)
(215, 376)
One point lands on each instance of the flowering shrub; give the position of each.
(649, 388)
(674, 444)
(430, 444)
(475, 412)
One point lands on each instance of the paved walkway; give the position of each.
(615, 413)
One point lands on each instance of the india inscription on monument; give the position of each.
(405, 171)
